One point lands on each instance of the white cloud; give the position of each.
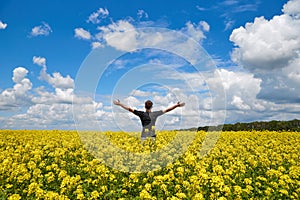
(22, 87)
(52, 110)
(124, 36)
(22, 84)
(196, 30)
(64, 95)
(140, 93)
(2, 25)
(264, 45)
(120, 35)
(44, 29)
(14, 98)
(82, 34)
(242, 104)
(134, 101)
(292, 8)
(268, 44)
(56, 79)
(240, 88)
(292, 71)
(239, 103)
(270, 50)
(46, 109)
(19, 74)
(96, 45)
(204, 25)
(41, 61)
(228, 24)
(43, 116)
(40, 108)
(142, 14)
(97, 16)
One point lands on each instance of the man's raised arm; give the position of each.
(173, 107)
(118, 103)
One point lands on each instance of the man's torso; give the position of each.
(148, 120)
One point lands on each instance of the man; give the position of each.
(148, 118)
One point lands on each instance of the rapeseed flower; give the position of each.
(62, 165)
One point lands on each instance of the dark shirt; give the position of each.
(148, 120)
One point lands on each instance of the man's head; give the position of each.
(148, 104)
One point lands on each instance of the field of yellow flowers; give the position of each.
(241, 165)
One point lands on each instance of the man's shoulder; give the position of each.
(138, 112)
(158, 112)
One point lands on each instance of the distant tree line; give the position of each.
(292, 125)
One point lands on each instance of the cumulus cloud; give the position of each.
(41, 61)
(242, 90)
(240, 84)
(82, 34)
(43, 116)
(14, 98)
(19, 74)
(56, 79)
(2, 25)
(292, 8)
(97, 16)
(265, 45)
(41, 108)
(121, 35)
(63, 86)
(22, 84)
(270, 50)
(44, 29)
(239, 103)
(52, 109)
(292, 71)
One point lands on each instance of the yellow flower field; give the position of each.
(56, 165)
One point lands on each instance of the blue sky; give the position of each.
(53, 69)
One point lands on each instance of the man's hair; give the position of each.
(148, 104)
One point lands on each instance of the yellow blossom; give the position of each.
(14, 197)
(145, 195)
(237, 189)
(64, 165)
(148, 187)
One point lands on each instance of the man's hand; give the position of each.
(117, 102)
(180, 104)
